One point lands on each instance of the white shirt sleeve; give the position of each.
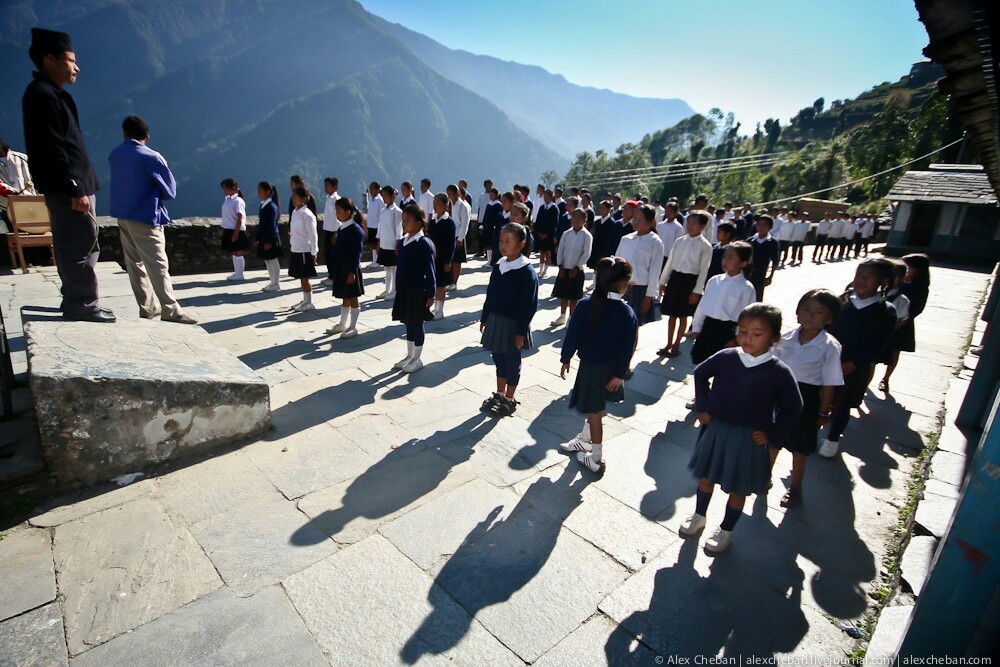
(833, 372)
(706, 261)
(668, 268)
(655, 262)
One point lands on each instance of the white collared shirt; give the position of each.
(645, 254)
(330, 222)
(233, 210)
(757, 238)
(410, 239)
(852, 229)
(462, 213)
(725, 298)
(869, 229)
(691, 254)
(375, 207)
(709, 231)
(427, 201)
(669, 231)
(536, 203)
(614, 296)
(506, 265)
(302, 228)
(574, 249)
(816, 363)
(901, 303)
(749, 361)
(864, 303)
(824, 227)
(390, 227)
(484, 201)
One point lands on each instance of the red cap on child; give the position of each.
(633, 203)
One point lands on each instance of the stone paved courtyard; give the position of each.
(386, 520)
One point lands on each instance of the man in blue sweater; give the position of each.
(140, 183)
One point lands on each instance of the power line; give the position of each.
(688, 164)
(689, 169)
(860, 180)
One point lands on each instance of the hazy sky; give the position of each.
(758, 58)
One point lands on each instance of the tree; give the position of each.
(549, 178)
(819, 104)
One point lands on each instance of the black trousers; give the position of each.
(74, 239)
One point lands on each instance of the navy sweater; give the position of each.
(349, 246)
(491, 216)
(548, 218)
(602, 237)
(562, 226)
(267, 225)
(618, 231)
(715, 267)
(513, 294)
(415, 266)
(765, 397)
(764, 253)
(864, 334)
(610, 341)
(444, 235)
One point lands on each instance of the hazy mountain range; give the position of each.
(261, 89)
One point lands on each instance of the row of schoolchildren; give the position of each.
(768, 390)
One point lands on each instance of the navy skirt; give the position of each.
(589, 394)
(715, 335)
(675, 299)
(274, 252)
(804, 437)
(410, 304)
(341, 288)
(301, 265)
(567, 287)
(500, 333)
(633, 297)
(726, 455)
(387, 257)
(241, 243)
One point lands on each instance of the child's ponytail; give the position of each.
(610, 271)
(348, 205)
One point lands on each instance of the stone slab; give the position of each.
(34, 639)
(93, 500)
(424, 537)
(123, 567)
(195, 493)
(917, 559)
(888, 634)
(102, 412)
(260, 542)
(29, 578)
(370, 605)
(220, 629)
(948, 467)
(934, 513)
(350, 511)
(527, 581)
(684, 603)
(599, 641)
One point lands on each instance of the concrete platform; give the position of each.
(119, 398)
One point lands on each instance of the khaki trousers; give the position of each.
(145, 256)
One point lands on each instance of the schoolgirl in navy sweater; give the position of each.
(864, 330)
(491, 217)
(511, 302)
(348, 283)
(545, 231)
(915, 287)
(753, 402)
(602, 332)
(415, 286)
(268, 239)
(442, 233)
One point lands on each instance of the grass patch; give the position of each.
(3, 534)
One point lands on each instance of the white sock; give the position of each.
(409, 349)
(273, 270)
(597, 449)
(439, 307)
(390, 279)
(585, 434)
(416, 352)
(238, 264)
(489, 256)
(345, 312)
(307, 297)
(354, 317)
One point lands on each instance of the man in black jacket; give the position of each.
(63, 172)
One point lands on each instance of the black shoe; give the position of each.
(100, 316)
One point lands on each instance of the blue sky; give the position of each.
(757, 58)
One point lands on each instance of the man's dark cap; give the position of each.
(45, 42)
